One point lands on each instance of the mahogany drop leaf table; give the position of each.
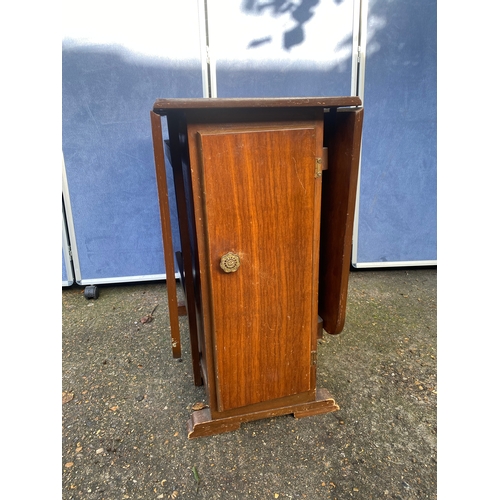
(265, 193)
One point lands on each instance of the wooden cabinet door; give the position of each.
(257, 195)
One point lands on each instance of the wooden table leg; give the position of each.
(168, 248)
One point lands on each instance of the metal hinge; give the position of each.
(318, 169)
(314, 358)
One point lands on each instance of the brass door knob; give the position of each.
(229, 262)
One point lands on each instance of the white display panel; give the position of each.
(396, 213)
(281, 49)
(118, 58)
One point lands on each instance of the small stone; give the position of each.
(139, 397)
(199, 406)
(100, 450)
(67, 397)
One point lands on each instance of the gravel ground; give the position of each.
(126, 402)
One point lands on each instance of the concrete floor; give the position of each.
(126, 402)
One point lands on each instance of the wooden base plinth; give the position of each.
(201, 424)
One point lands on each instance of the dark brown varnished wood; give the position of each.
(181, 309)
(201, 423)
(168, 249)
(186, 261)
(256, 197)
(161, 106)
(320, 328)
(343, 133)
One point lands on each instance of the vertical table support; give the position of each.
(168, 249)
(176, 131)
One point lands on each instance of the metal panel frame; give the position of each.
(66, 251)
(208, 60)
(68, 227)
